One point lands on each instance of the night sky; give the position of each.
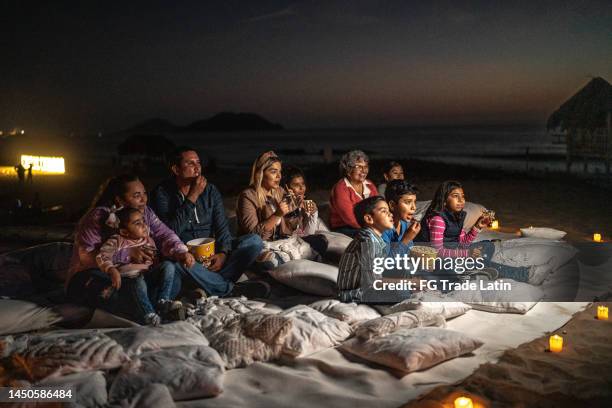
(88, 67)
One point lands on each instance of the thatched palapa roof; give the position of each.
(588, 109)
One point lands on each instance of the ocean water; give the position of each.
(501, 147)
(481, 146)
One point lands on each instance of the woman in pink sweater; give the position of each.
(348, 191)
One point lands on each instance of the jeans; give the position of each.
(159, 283)
(244, 251)
(136, 296)
(519, 274)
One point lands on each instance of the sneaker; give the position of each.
(171, 311)
(537, 273)
(266, 261)
(152, 319)
(251, 290)
(191, 298)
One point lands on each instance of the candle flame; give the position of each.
(463, 402)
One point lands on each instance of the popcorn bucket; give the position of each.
(427, 254)
(202, 248)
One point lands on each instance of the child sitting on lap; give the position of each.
(133, 232)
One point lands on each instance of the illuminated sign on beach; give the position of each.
(44, 164)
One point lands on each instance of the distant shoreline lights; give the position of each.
(44, 164)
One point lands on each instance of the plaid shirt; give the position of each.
(355, 273)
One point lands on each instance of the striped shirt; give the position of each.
(436, 231)
(355, 274)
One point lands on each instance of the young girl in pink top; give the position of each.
(442, 227)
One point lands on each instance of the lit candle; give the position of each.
(597, 237)
(463, 402)
(495, 224)
(602, 312)
(556, 343)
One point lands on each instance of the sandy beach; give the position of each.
(530, 376)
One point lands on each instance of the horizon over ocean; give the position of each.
(483, 145)
(486, 146)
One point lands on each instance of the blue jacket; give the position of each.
(206, 218)
(394, 240)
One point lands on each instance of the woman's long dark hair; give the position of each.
(439, 200)
(111, 188)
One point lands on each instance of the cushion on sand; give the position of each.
(431, 301)
(56, 354)
(241, 334)
(15, 279)
(152, 396)
(409, 350)
(533, 251)
(308, 276)
(140, 339)
(213, 312)
(18, 316)
(336, 242)
(237, 349)
(543, 232)
(47, 263)
(312, 331)
(520, 300)
(388, 324)
(347, 312)
(270, 328)
(89, 387)
(473, 210)
(189, 372)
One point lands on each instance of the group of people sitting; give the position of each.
(130, 255)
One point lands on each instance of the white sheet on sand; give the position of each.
(329, 379)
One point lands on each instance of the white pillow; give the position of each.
(533, 251)
(312, 331)
(347, 312)
(89, 388)
(392, 322)
(308, 276)
(189, 372)
(336, 242)
(153, 395)
(18, 316)
(140, 339)
(543, 232)
(409, 350)
(520, 300)
(430, 301)
(214, 313)
(243, 338)
(57, 354)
